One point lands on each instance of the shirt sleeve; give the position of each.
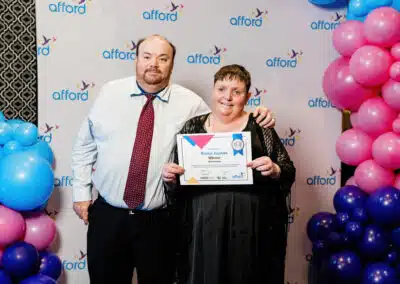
(201, 108)
(84, 155)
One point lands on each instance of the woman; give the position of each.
(234, 233)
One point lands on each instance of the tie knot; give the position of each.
(150, 97)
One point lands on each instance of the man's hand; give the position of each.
(170, 171)
(264, 117)
(81, 209)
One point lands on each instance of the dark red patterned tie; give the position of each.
(137, 175)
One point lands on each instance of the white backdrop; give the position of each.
(286, 45)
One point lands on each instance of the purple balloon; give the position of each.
(349, 197)
(21, 259)
(321, 225)
(359, 215)
(395, 237)
(4, 277)
(379, 273)
(373, 243)
(391, 257)
(50, 265)
(354, 230)
(39, 279)
(342, 218)
(345, 266)
(384, 206)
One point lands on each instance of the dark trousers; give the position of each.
(120, 240)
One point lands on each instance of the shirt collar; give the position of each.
(163, 95)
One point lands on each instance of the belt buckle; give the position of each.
(131, 212)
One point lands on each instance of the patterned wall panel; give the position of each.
(18, 65)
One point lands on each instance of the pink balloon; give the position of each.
(391, 94)
(351, 181)
(354, 147)
(370, 176)
(397, 181)
(386, 150)
(375, 117)
(341, 88)
(382, 27)
(395, 51)
(396, 126)
(354, 119)
(12, 226)
(40, 230)
(395, 71)
(370, 65)
(348, 37)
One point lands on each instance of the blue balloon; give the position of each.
(21, 259)
(373, 4)
(4, 277)
(379, 273)
(26, 134)
(354, 231)
(358, 8)
(395, 237)
(5, 132)
(26, 182)
(359, 215)
(342, 218)
(50, 265)
(349, 197)
(345, 266)
(14, 123)
(384, 206)
(41, 149)
(2, 117)
(329, 3)
(321, 225)
(396, 5)
(38, 279)
(374, 243)
(11, 147)
(351, 17)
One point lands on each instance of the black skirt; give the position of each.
(235, 237)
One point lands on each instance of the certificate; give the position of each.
(215, 158)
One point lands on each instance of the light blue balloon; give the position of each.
(26, 133)
(373, 4)
(14, 123)
(5, 132)
(2, 117)
(358, 8)
(11, 147)
(41, 149)
(26, 181)
(350, 17)
(396, 5)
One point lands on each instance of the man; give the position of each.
(128, 137)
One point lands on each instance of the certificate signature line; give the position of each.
(215, 166)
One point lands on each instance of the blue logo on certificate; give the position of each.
(237, 144)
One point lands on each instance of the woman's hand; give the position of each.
(170, 171)
(265, 166)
